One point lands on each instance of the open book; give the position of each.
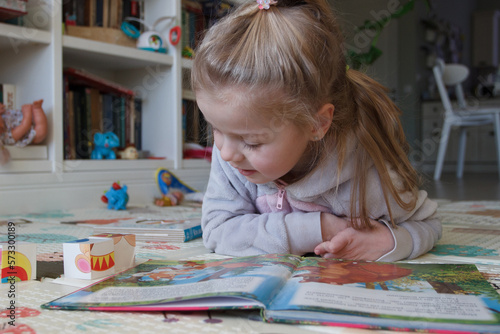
(309, 290)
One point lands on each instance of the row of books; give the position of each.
(101, 13)
(197, 16)
(194, 126)
(93, 104)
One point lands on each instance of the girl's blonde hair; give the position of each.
(290, 61)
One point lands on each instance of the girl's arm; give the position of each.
(232, 225)
(416, 231)
(383, 242)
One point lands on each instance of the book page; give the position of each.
(153, 282)
(243, 285)
(430, 292)
(409, 304)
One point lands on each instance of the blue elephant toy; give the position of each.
(104, 144)
(116, 197)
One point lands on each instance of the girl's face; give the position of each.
(263, 149)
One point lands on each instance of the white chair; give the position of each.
(461, 116)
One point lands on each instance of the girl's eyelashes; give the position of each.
(251, 146)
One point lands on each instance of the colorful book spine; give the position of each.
(192, 233)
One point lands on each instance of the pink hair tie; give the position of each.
(264, 4)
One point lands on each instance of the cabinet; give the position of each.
(486, 38)
(480, 154)
(33, 58)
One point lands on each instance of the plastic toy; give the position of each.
(116, 197)
(104, 144)
(89, 258)
(151, 40)
(23, 127)
(172, 189)
(18, 264)
(130, 152)
(187, 52)
(124, 248)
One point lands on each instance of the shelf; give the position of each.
(107, 56)
(116, 165)
(12, 36)
(27, 166)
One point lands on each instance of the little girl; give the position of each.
(309, 155)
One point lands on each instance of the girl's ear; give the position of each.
(324, 117)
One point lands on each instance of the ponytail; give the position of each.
(378, 131)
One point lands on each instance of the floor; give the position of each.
(473, 186)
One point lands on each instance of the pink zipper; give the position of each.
(281, 193)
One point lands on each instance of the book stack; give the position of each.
(10, 9)
(94, 104)
(171, 230)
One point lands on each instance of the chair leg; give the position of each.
(461, 152)
(443, 143)
(497, 137)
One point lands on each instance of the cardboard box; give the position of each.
(124, 245)
(89, 258)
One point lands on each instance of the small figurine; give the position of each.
(129, 152)
(116, 197)
(173, 198)
(104, 144)
(171, 187)
(23, 127)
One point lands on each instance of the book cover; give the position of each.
(83, 143)
(452, 298)
(82, 77)
(119, 119)
(169, 230)
(107, 113)
(7, 13)
(99, 9)
(137, 123)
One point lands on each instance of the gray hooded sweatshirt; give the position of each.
(240, 218)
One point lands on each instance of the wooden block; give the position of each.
(89, 258)
(18, 261)
(124, 245)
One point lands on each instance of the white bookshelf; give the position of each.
(33, 58)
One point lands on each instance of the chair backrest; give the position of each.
(450, 75)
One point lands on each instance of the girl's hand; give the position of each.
(366, 244)
(331, 225)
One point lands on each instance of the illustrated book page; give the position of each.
(309, 290)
